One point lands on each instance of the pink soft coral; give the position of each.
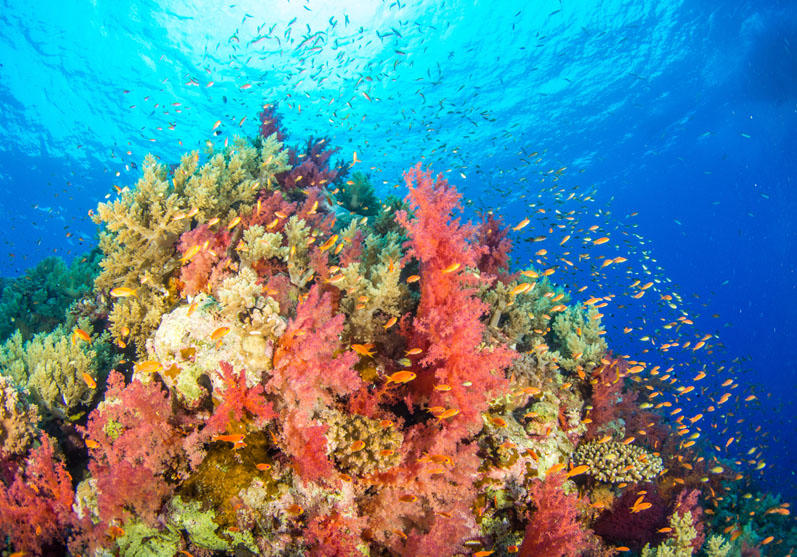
(310, 371)
(35, 508)
(447, 324)
(238, 401)
(554, 529)
(206, 265)
(493, 237)
(133, 445)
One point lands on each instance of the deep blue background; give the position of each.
(681, 111)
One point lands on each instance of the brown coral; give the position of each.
(17, 420)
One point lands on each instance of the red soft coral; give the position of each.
(688, 502)
(620, 526)
(447, 323)
(135, 444)
(607, 392)
(310, 371)
(36, 506)
(270, 123)
(554, 529)
(493, 237)
(311, 168)
(332, 535)
(238, 401)
(207, 264)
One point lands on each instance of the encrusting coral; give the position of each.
(615, 462)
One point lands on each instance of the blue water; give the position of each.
(684, 112)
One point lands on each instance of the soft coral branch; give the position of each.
(35, 508)
(448, 320)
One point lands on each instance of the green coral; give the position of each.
(372, 290)
(138, 242)
(229, 182)
(37, 301)
(577, 336)
(199, 525)
(614, 462)
(717, 546)
(298, 234)
(262, 245)
(523, 318)
(53, 365)
(679, 544)
(357, 195)
(140, 540)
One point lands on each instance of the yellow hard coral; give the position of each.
(614, 462)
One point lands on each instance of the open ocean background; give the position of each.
(679, 115)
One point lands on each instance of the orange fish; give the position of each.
(484, 553)
(413, 278)
(442, 388)
(89, 380)
(577, 470)
(218, 333)
(403, 376)
(451, 268)
(450, 413)
(413, 352)
(122, 292)
(234, 222)
(357, 445)
(555, 468)
(263, 466)
(408, 498)
(390, 322)
(521, 224)
(294, 509)
(363, 349)
(81, 334)
(520, 288)
(600, 241)
(92, 444)
(148, 366)
(329, 243)
(230, 438)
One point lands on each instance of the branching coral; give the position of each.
(55, 365)
(372, 291)
(577, 338)
(229, 182)
(131, 444)
(309, 372)
(138, 242)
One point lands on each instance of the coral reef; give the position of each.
(273, 361)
